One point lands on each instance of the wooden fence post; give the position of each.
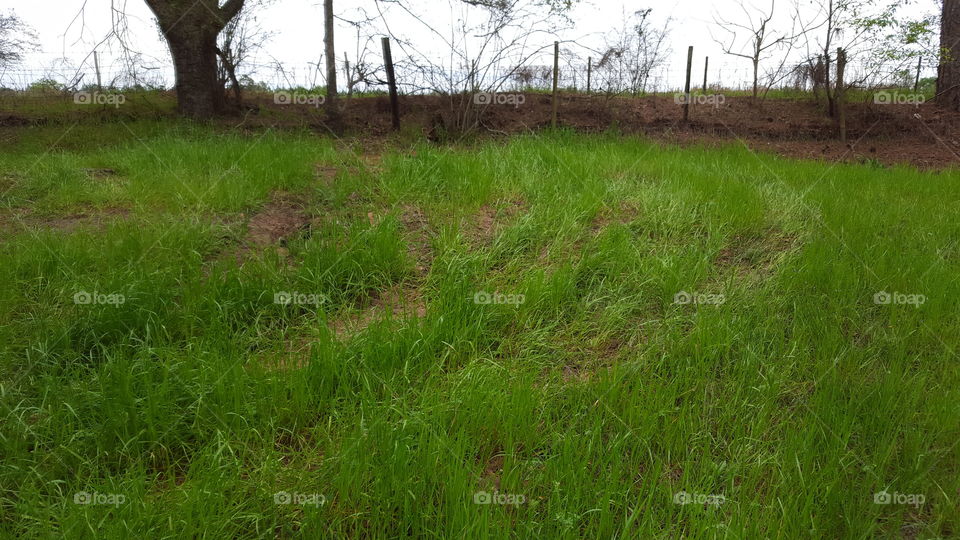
(686, 88)
(346, 74)
(392, 82)
(96, 65)
(589, 72)
(916, 82)
(706, 63)
(556, 80)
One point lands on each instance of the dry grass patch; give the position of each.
(282, 217)
(490, 220)
(419, 236)
(87, 218)
(623, 213)
(403, 301)
(756, 254)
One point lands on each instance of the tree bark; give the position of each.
(948, 70)
(191, 28)
(333, 115)
(194, 54)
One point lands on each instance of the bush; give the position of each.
(46, 86)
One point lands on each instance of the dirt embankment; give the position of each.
(924, 135)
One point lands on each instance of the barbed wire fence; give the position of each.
(57, 77)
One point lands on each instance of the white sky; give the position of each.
(298, 32)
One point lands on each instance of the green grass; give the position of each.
(597, 399)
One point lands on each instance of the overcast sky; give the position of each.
(68, 31)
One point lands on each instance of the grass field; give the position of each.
(596, 336)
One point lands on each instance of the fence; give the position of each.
(79, 71)
(61, 78)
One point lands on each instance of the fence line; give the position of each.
(415, 79)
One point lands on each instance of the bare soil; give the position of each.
(96, 218)
(923, 136)
(399, 300)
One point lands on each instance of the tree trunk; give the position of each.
(841, 95)
(948, 71)
(194, 51)
(333, 115)
(191, 28)
(828, 87)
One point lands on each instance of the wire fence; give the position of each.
(78, 73)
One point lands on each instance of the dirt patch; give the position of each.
(492, 471)
(419, 235)
(283, 216)
(490, 220)
(575, 373)
(752, 254)
(99, 174)
(672, 472)
(92, 218)
(923, 136)
(623, 213)
(372, 162)
(10, 120)
(485, 222)
(8, 181)
(602, 356)
(399, 300)
(83, 219)
(326, 173)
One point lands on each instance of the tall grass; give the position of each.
(784, 402)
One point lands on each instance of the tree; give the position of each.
(908, 44)
(16, 39)
(190, 28)
(485, 43)
(238, 41)
(331, 60)
(948, 71)
(760, 40)
(859, 27)
(631, 54)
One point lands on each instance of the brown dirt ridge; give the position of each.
(924, 136)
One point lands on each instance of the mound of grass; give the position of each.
(554, 336)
